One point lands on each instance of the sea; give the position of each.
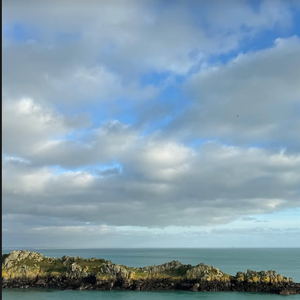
(229, 260)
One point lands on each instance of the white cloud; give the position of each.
(28, 126)
(212, 185)
(253, 99)
(98, 54)
(90, 179)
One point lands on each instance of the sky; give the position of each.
(149, 123)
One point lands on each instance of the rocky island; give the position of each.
(25, 269)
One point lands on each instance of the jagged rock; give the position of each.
(22, 269)
(205, 273)
(195, 287)
(175, 264)
(113, 270)
(38, 257)
(15, 257)
(74, 270)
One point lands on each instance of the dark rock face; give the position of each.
(22, 269)
(90, 283)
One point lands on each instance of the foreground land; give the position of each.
(24, 269)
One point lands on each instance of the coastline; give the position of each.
(24, 269)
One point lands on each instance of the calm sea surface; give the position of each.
(285, 261)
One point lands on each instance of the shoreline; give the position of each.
(25, 269)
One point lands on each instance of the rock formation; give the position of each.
(23, 269)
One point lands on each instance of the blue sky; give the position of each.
(171, 121)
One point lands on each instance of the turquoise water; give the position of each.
(285, 261)
(128, 295)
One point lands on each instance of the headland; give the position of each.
(25, 269)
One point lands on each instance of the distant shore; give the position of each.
(25, 269)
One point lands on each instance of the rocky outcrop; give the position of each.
(206, 273)
(24, 269)
(263, 276)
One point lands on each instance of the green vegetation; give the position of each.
(25, 264)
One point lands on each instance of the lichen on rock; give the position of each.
(23, 268)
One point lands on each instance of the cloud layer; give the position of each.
(133, 119)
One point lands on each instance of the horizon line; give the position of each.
(137, 248)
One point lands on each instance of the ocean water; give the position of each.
(14, 294)
(285, 261)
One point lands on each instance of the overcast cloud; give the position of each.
(147, 123)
